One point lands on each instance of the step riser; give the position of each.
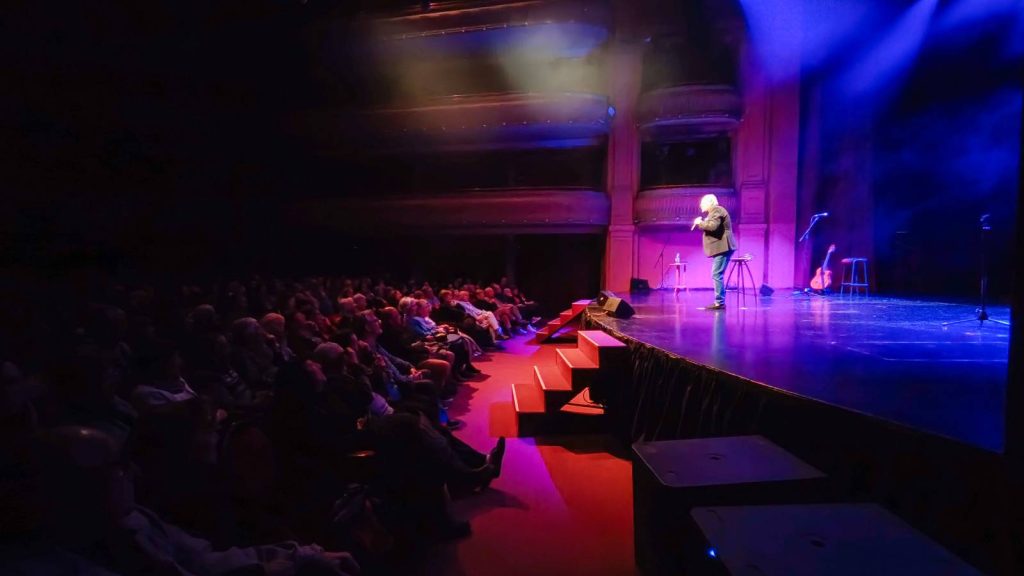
(531, 424)
(579, 378)
(555, 399)
(558, 423)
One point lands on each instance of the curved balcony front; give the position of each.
(686, 111)
(494, 121)
(483, 212)
(556, 28)
(677, 205)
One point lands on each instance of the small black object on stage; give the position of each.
(618, 308)
(613, 305)
(981, 314)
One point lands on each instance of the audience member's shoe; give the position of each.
(470, 369)
(454, 529)
(521, 331)
(454, 424)
(716, 306)
(496, 455)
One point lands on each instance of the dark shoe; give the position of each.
(716, 306)
(454, 424)
(470, 369)
(496, 455)
(455, 529)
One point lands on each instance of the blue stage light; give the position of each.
(712, 553)
(611, 111)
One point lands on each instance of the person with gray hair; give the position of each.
(719, 243)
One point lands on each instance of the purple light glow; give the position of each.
(814, 30)
(882, 64)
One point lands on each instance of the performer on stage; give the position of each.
(719, 243)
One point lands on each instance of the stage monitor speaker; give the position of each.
(639, 285)
(618, 308)
(672, 477)
(604, 296)
(767, 290)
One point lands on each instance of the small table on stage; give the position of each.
(680, 276)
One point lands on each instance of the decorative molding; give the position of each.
(494, 210)
(689, 110)
(753, 202)
(467, 122)
(679, 205)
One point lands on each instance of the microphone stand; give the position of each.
(661, 261)
(981, 314)
(803, 238)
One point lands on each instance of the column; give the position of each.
(624, 68)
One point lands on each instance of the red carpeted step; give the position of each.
(557, 390)
(575, 367)
(528, 403)
(566, 315)
(601, 348)
(550, 378)
(527, 398)
(580, 305)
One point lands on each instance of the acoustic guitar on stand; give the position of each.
(823, 277)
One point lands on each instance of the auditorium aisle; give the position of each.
(563, 504)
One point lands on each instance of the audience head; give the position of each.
(273, 324)
(390, 317)
(203, 318)
(331, 357)
(157, 361)
(87, 486)
(248, 333)
(347, 307)
(367, 325)
(423, 308)
(360, 302)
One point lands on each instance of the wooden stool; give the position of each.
(741, 266)
(857, 281)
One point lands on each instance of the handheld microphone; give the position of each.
(820, 215)
(692, 228)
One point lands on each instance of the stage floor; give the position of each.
(886, 357)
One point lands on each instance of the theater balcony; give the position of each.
(561, 28)
(493, 121)
(508, 211)
(677, 205)
(689, 88)
(688, 111)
